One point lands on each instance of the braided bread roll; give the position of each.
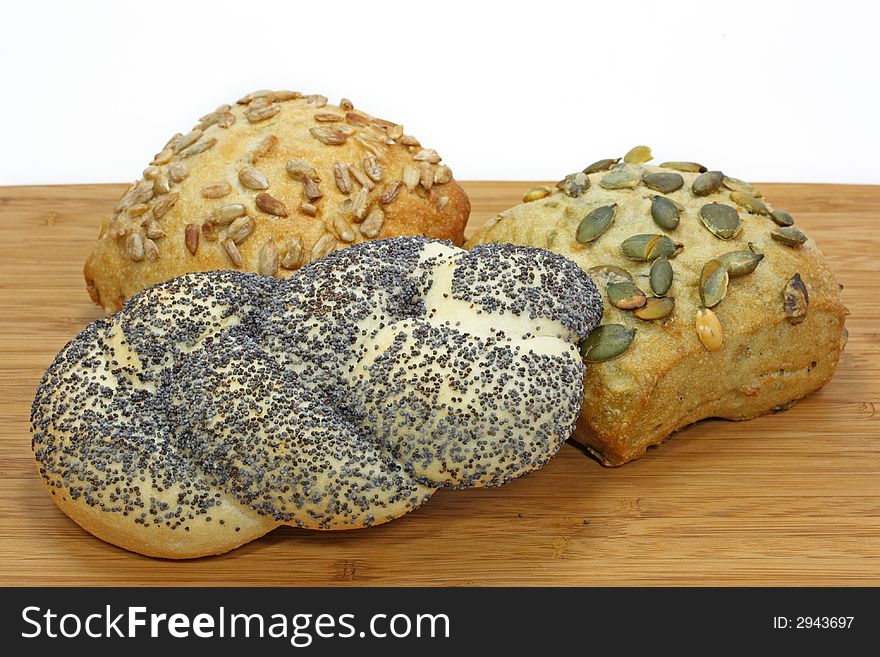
(267, 185)
(217, 406)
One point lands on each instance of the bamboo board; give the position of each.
(792, 498)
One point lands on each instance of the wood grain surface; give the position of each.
(791, 498)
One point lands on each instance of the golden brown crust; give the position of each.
(145, 240)
(667, 379)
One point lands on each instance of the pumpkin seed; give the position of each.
(608, 273)
(606, 342)
(665, 213)
(532, 194)
(721, 220)
(713, 283)
(574, 184)
(788, 235)
(601, 165)
(663, 182)
(655, 308)
(795, 300)
(621, 179)
(740, 263)
(687, 167)
(707, 183)
(638, 154)
(660, 276)
(647, 248)
(709, 329)
(782, 218)
(595, 223)
(625, 295)
(737, 185)
(750, 203)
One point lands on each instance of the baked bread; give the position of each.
(217, 406)
(721, 308)
(267, 185)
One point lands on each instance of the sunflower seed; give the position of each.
(232, 252)
(298, 169)
(707, 183)
(226, 213)
(293, 255)
(395, 132)
(151, 251)
(191, 238)
(655, 308)
(647, 248)
(240, 229)
(665, 213)
(595, 223)
(329, 135)
(251, 178)
(138, 210)
(411, 176)
(257, 114)
(372, 167)
(390, 192)
(442, 175)
(620, 179)
(322, 247)
(311, 190)
(356, 118)
(187, 140)
(373, 223)
(226, 119)
(660, 276)
(209, 232)
(713, 283)
(283, 96)
(267, 258)
(328, 117)
(737, 185)
(427, 155)
(172, 141)
(606, 342)
(574, 184)
(782, 218)
(317, 100)
(163, 157)
(342, 177)
(346, 104)
(163, 206)
(309, 209)
(197, 148)
(359, 203)
(139, 192)
(663, 182)
(260, 93)
(134, 247)
(263, 149)
(687, 167)
(151, 172)
(270, 205)
(625, 295)
(638, 154)
(721, 220)
(344, 230)
(795, 300)
(216, 190)
(750, 203)
(788, 235)
(177, 172)
(709, 329)
(601, 165)
(153, 230)
(605, 274)
(740, 263)
(442, 201)
(361, 177)
(426, 175)
(409, 140)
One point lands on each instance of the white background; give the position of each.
(784, 91)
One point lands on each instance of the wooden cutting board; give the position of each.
(791, 498)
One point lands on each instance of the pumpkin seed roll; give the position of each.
(716, 303)
(267, 185)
